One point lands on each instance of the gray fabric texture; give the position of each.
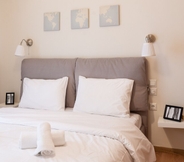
(52, 69)
(109, 68)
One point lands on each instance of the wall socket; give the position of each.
(153, 106)
(153, 91)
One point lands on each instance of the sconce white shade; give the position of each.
(148, 49)
(20, 51)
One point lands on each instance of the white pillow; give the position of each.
(104, 96)
(44, 94)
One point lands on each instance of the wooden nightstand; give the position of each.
(4, 105)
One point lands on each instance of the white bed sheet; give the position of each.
(134, 118)
(89, 138)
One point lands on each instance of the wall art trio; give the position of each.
(108, 16)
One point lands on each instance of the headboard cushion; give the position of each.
(109, 68)
(52, 69)
(132, 68)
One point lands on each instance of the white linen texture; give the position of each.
(28, 139)
(89, 137)
(104, 96)
(45, 145)
(44, 94)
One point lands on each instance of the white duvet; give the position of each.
(89, 138)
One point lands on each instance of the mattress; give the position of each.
(91, 138)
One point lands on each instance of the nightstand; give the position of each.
(4, 105)
(164, 123)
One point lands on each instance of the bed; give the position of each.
(101, 105)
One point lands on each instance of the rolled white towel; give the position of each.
(28, 139)
(45, 145)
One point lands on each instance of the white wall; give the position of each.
(24, 19)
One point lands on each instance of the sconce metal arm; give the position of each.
(29, 42)
(150, 38)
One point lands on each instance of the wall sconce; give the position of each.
(20, 49)
(148, 49)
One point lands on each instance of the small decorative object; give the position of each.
(51, 21)
(80, 18)
(173, 113)
(109, 16)
(10, 98)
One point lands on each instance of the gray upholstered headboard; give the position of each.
(132, 68)
(51, 69)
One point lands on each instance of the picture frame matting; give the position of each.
(10, 96)
(173, 113)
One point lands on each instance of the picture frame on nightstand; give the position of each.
(10, 96)
(173, 113)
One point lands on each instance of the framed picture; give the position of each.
(10, 98)
(173, 113)
(52, 21)
(80, 18)
(109, 16)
